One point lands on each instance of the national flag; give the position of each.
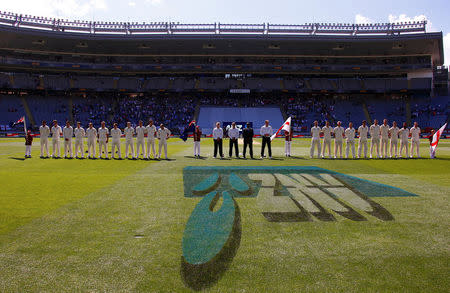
(436, 137)
(286, 127)
(187, 129)
(21, 120)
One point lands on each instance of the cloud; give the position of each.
(447, 49)
(132, 4)
(55, 8)
(155, 2)
(405, 18)
(361, 19)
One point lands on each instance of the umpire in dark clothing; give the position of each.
(247, 134)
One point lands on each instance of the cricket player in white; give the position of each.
(338, 139)
(415, 139)
(140, 137)
(393, 133)
(315, 140)
(79, 135)
(350, 139)
(129, 132)
(404, 134)
(375, 138)
(103, 134)
(91, 134)
(116, 133)
(163, 136)
(384, 131)
(363, 130)
(327, 130)
(151, 134)
(56, 136)
(44, 132)
(67, 135)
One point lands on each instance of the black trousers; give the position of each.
(266, 140)
(236, 148)
(218, 144)
(248, 143)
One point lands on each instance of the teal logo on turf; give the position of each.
(282, 194)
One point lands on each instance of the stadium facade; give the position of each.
(342, 71)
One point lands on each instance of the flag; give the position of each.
(436, 137)
(187, 129)
(22, 120)
(286, 127)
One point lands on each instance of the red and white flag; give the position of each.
(21, 120)
(286, 127)
(436, 137)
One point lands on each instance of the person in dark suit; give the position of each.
(247, 134)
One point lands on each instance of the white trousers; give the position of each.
(415, 143)
(44, 146)
(129, 144)
(287, 147)
(432, 152)
(394, 145)
(140, 145)
(102, 146)
(350, 144)
(384, 147)
(68, 147)
(28, 150)
(151, 144)
(91, 147)
(338, 145)
(56, 147)
(362, 144)
(375, 142)
(326, 143)
(79, 147)
(115, 144)
(404, 145)
(161, 144)
(315, 143)
(196, 148)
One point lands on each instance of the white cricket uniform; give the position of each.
(67, 135)
(327, 130)
(393, 131)
(404, 134)
(384, 131)
(140, 144)
(338, 140)
(44, 132)
(129, 131)
(415, 140)
(315, 141)
(79, 135)
(116, 133)
(151, 134)
(350, 139)
(363, 131)
(163, 136)
(91, 134)
(375, 139)
(56, 135)
(103, 141)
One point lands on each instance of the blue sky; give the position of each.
(243, 11)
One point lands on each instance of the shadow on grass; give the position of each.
(18, 159)
(197, 158)
(201, 276)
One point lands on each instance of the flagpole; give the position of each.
(25, 125)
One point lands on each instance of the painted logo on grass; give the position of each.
(282, 194)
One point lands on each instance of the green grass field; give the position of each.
(72, 225)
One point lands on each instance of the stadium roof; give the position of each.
(21, 33)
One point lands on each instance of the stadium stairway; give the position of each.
(70, 109)
(27, 111)
(408, 111)
(366, 113)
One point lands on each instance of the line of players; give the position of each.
(382, 138)
(102, 136)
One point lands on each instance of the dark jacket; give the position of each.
(247, 134)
